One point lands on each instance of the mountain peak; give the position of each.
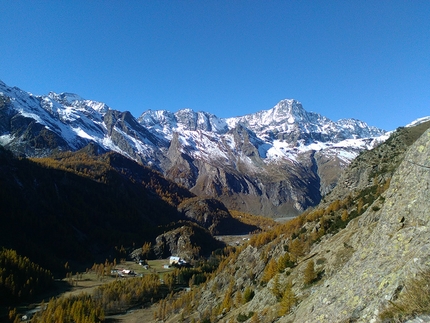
(187, 119)
(289, 110)
(65, 98)
(290, 105)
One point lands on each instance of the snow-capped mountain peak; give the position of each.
(165, 122)
(270, 154)
(289, 110)
(71, 100)
(65, 98)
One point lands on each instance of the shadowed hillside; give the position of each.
(77, 206)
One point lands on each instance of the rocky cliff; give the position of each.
(364, 245)
(386, 246)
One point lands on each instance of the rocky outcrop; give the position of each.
(273, 190)
(208, 213)
(131, 139)
(187, 241)
(24, 134)
(388, 246)
(377, 165)
(179, 166)
(213, 215)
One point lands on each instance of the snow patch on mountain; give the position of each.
(6, 139)
(418, 121)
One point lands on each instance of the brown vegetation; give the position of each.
(413, 300)
(21, 279)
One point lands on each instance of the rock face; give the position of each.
(275, 162)
(187, 241)
(380, 163)
(212, 214)
(35, 126)
(208, 213)
(385, 248)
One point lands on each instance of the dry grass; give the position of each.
(89, 281)
(413, 300)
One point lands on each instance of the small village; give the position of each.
(88, 281)
(138, 267)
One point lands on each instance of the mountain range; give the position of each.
(275, 162)
(93, 186)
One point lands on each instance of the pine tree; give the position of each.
(296, 248)
(344, 215)
(277, 289)
(12, 314)
(284, 262)
(255, 318)
(360, 204)
(226, 304)
(270, 270)
(169, 280)
(288, 300)
(248, 294)
(146, 248)
(309, 274)
(238, 299)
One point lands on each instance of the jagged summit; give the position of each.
(167, 122)
(287, 111)
(275, 162)
(290, 121)
(65, 98)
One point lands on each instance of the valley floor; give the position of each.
(87, 282)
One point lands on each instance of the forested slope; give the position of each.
(77, 206)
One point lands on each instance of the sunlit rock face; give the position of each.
(369, 262)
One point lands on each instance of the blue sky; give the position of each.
(368, 60)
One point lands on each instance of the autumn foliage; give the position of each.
(20, 278)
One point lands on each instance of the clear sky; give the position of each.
(361, 59)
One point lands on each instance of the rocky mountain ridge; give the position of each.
(275, 162)
(388, 246)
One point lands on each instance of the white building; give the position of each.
(174, 260)
(177, 261)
